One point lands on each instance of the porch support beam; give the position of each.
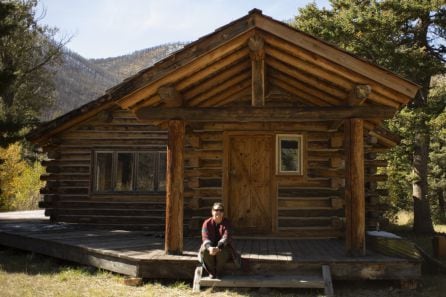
(174, 188)
(264, 114)
(354, 187)
(257, 53)
(356, 97)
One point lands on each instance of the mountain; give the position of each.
(79, 80)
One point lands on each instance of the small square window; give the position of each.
(289, 154)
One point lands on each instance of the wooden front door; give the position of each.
(249, 182)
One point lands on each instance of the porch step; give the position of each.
(322, 281)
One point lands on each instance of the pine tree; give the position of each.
(28, 49)
(408, 37)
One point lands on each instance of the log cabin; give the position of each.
(280, 126)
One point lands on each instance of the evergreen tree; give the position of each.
(28, 49)
(408, 37)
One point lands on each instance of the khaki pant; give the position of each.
(215, 264)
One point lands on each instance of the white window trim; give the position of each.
(299, 138)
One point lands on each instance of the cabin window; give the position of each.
(141, 172)
(289, 154)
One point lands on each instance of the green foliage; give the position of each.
(408, 37)
(27, 51)
(19, 179)
(437, 154)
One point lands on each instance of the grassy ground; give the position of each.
(24, 274)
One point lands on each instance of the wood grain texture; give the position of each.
(354, 187)
(264, 114)
(175, 188)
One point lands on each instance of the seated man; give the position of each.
(216, 248)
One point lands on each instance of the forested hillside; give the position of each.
(79, 80)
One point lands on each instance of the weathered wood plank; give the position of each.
(269, 114)
(326, 274)
(264, 281)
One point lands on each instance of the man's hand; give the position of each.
(213, 250)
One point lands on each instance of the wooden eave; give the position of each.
(215, 71)
(44, 132)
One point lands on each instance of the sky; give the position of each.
(110, 28)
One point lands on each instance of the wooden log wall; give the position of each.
(68, 197)
(309, 206)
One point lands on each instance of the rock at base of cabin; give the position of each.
(133, 281)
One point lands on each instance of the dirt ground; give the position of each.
(25, 274)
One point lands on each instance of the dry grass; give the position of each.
(24, 274)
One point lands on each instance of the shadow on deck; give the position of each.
(141, 254)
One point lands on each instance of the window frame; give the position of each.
(135, 169)
(300, 139)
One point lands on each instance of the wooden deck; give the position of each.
(141, 254)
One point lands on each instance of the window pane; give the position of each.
(124, 172)
(146, 172)
(162, 173)
(289, 155)
(103, 172)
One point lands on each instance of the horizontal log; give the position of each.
(208, 192)
(284, 212)
(264, 114)
(138, 127)
(212, 145)
(209, 135)
(117, 141)
(204, 154)
(77, 191)
(220, 127)
(68, 169)
(71, 183)
(210, 163)
(325, 172)
(74, 163)
(375, 163)
(304, 222)
(115, 220)
(207, 202)
(115, 134)
(300, 181)
(203, 172)
(92, 204)
(309, 192)
(67, 177)
(309, 202)
(375, 178)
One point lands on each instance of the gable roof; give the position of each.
(215, 70)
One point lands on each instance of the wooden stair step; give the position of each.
(317, 281)
(267, 281)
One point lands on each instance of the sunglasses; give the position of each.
(218, 209)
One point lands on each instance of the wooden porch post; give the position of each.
(174, 188)
(354, 187)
